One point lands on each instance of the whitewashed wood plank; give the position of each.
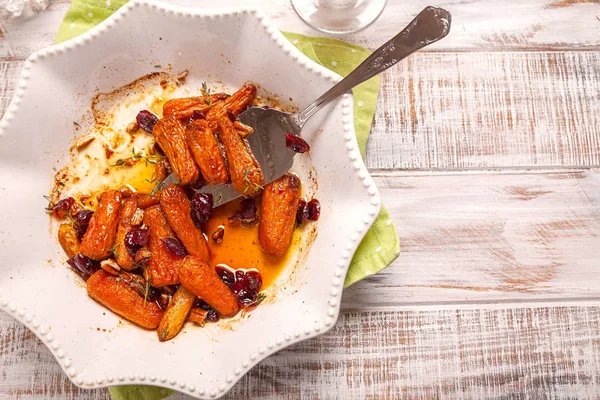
(487, 110)
(476, 110)
(524, 353)
(488, 25)
(488, 237)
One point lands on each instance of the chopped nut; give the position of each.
(84, 141)
(163, 300)
(242, 129)
(217, 235)
(110, 266)
(197, 315)
(142, 254)
(181, 76)
(137, 217)
(132, 127)
(126, 191)
(75, 208)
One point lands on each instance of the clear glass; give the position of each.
(339, 16)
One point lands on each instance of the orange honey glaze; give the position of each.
(240, 247)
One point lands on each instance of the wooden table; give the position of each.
(485, 148)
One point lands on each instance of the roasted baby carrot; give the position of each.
(118, 296)
(146, 200)
(99, 238)
(176, 208)
(184, 107)
(278, 214)
(124, 259)
(236, 104)
(202, 280)
(170, 136)
(176, 314)
(67, 237)
(163, 266)
(246, 175)
(206, 152)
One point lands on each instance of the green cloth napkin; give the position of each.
(380, 246)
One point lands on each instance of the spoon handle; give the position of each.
(431, 25)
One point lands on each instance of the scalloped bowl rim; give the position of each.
(44, 332)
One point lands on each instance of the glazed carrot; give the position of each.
(67, 237)
(184, 107)
(119, 297)
(160, 170)
(146, 200)
(236, 103)
(246, 175)
(176, 208)
(123, 258)
(170, 136)
(278, 214)
(176, 314)
(202, 280)
(163, 266)
(102, 230)
(206, 152)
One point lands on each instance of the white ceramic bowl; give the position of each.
(56, 85)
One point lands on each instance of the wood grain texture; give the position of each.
(488, 110)
(488, 237)
(548, 352)
(491, 25)
(513, 88)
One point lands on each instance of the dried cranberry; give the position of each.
(82, 221)
(241, 281)
(201, 208)
(146, 120)
(314, 209)
(192, 188)
(301, 212)
(231, 115)
(253, 282)
(174, 246)
(296, 143)
(212, 316)
(62, 205)
(226, 276)
(83, 265)
(197, 114)
(245, 297)
(135, 239)
(247, 214)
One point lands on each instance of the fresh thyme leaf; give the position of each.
(50, 205)
(261, 296)
(219, 197)
(146, 292)
(114, 250)
(150, 180)
(156, 187)
(76, 124)
(158, 66)
(208, 101)
(119, 162)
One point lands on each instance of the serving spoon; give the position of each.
(268, 142)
